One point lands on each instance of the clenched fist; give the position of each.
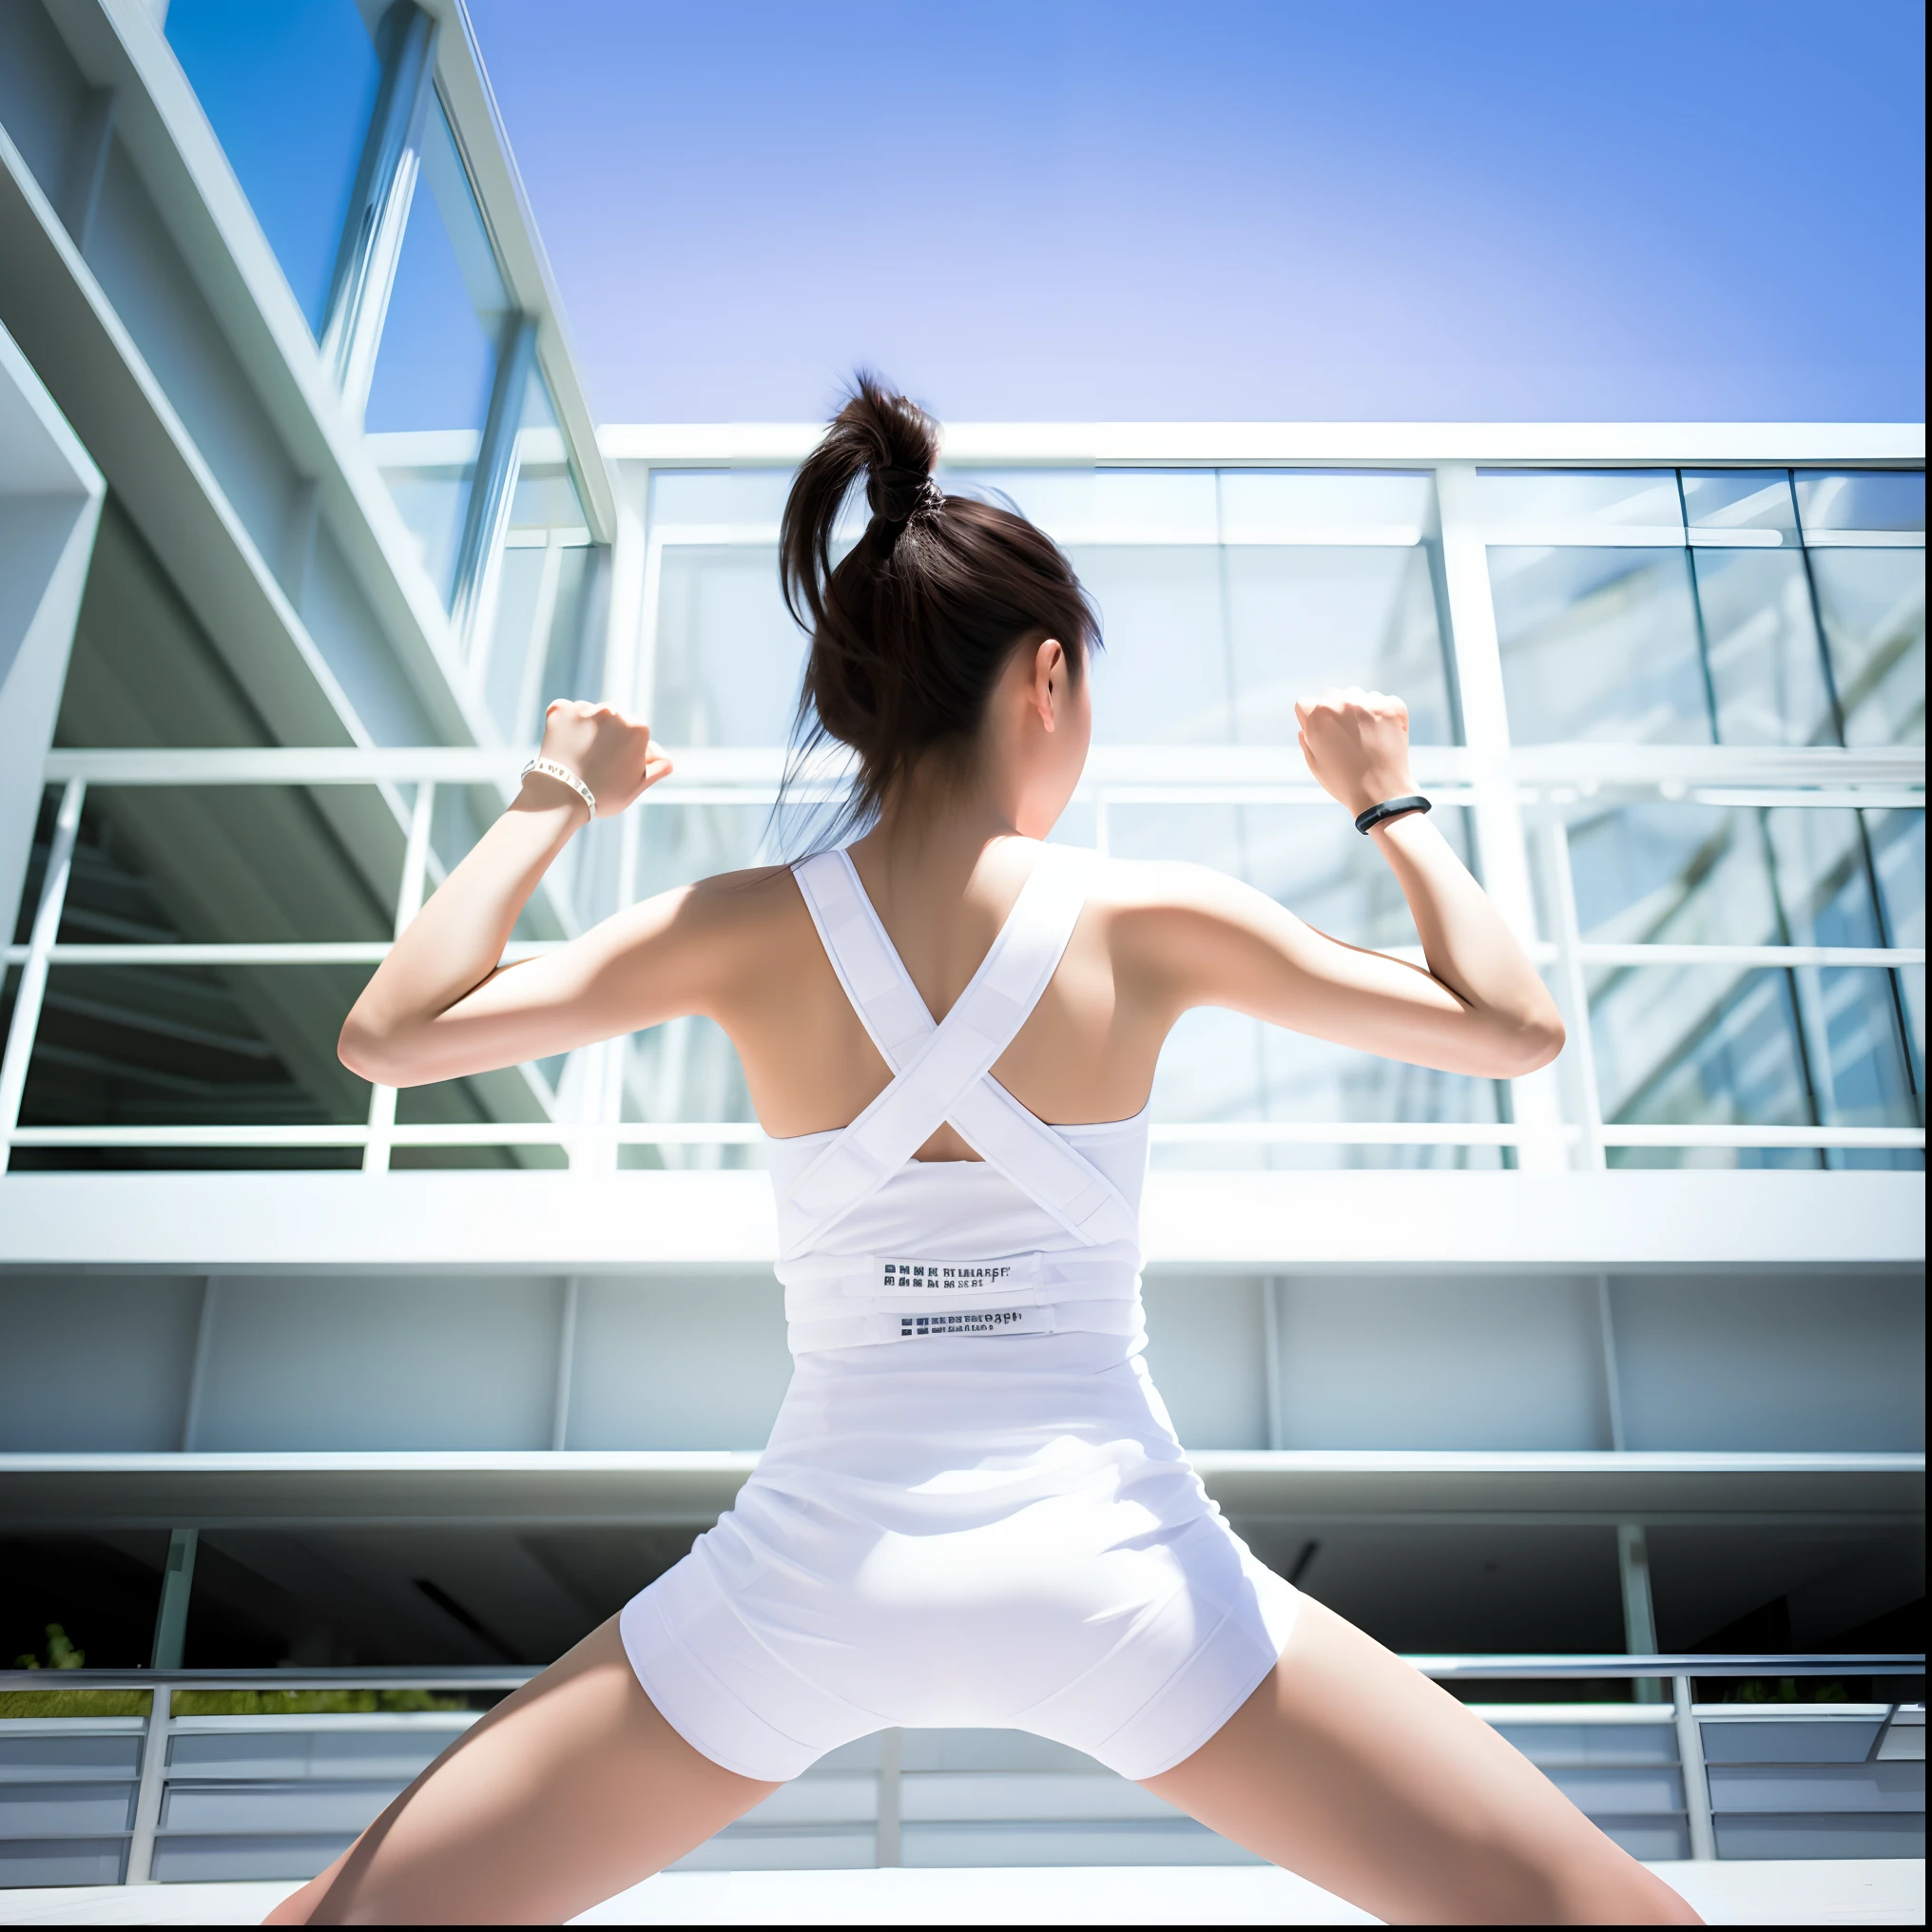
(610, 752)
(1356, 745)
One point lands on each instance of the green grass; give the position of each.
(306, 1703)
(74, 1703)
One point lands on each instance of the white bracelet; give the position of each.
(564, 775)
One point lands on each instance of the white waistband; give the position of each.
(856, 1301)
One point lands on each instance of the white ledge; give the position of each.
(1395, 444)
(563, 1222)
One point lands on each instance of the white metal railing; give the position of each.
(170, 1777)
(1545, 781)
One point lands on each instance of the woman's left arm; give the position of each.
(1478, 1007)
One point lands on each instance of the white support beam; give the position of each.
(677, 1223)
(50, 495)
(82, 349)
(1502, 856)
(613, 1486)
(479, 126)
(371, 246)
(1402, 446)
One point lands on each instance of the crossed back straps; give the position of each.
(943, 1074)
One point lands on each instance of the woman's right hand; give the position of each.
(612, 754)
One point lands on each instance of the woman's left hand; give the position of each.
(1356, 745)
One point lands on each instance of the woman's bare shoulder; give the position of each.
(758, 885)
(1171, 927)
(721, 940)
(1163, 885)
(753, 903)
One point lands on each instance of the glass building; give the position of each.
(349, 1402)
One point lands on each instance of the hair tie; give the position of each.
(899, 495)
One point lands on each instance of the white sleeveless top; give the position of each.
(876, 1246)
(973, 1509)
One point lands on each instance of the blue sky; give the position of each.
(1220, 209)
(1205, 208)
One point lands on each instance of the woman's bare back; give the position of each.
(1087, 1052)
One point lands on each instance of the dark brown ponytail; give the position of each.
(911, 630)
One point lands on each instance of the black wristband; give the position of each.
(1390, 809)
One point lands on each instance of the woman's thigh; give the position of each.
(568, 1790)
(1355, 1770)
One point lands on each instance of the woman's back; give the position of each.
(1086, 1053)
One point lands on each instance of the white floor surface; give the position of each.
(1798, 1892)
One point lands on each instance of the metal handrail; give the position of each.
(1555, 1667)
(1682, 1669)
(1677, 1664)
(1645, 766)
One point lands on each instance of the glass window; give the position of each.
(1223, 596)
(1872, 602)
(727, 658)
(289, 90)
(545, 497)
(1898, 840)
(1852, 1039)
(546, 645)
(1580, 506)
(1165, 676)
(1274, 506)
(1207, 642)
(541, 643)
(1767, 672)
(1864, 1065)
(703, 693)
(1742, 507)
(1700, 1045)
(1599, 644)
(1213, 645)
(1831, 1047)
(1824, 885)
(1104, 506)
(1861, 499)
(1302, 616)
(680, 498)
(1679, 874)
(1898, 845)
(1707, 875)
(438, 358)
(1911, 984)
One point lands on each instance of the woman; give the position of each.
(973, 1509)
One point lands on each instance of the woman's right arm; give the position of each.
(440, 1005)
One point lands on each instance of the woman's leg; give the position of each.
(568, 1790)
(1355, 1770)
